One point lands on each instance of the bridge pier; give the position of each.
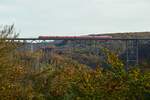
(132, 52)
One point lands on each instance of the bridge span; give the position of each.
(132, 44)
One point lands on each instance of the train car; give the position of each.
(75, 37)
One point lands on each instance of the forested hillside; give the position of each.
(26, 75)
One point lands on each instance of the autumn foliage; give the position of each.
(66, 79)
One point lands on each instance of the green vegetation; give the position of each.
(64, 78)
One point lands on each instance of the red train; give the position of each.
(75, 37)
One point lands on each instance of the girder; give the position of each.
(132, 45)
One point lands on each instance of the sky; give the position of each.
(33, 18)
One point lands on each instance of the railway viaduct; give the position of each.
(132, 44)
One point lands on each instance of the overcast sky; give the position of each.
(75, 17)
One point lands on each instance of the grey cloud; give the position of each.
(62, 17)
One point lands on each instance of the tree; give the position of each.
(10, 71)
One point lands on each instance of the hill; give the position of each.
(127, 35)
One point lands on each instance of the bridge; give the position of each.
(132, 44)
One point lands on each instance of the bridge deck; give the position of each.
(53, 38)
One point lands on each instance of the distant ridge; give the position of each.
(126, 35)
